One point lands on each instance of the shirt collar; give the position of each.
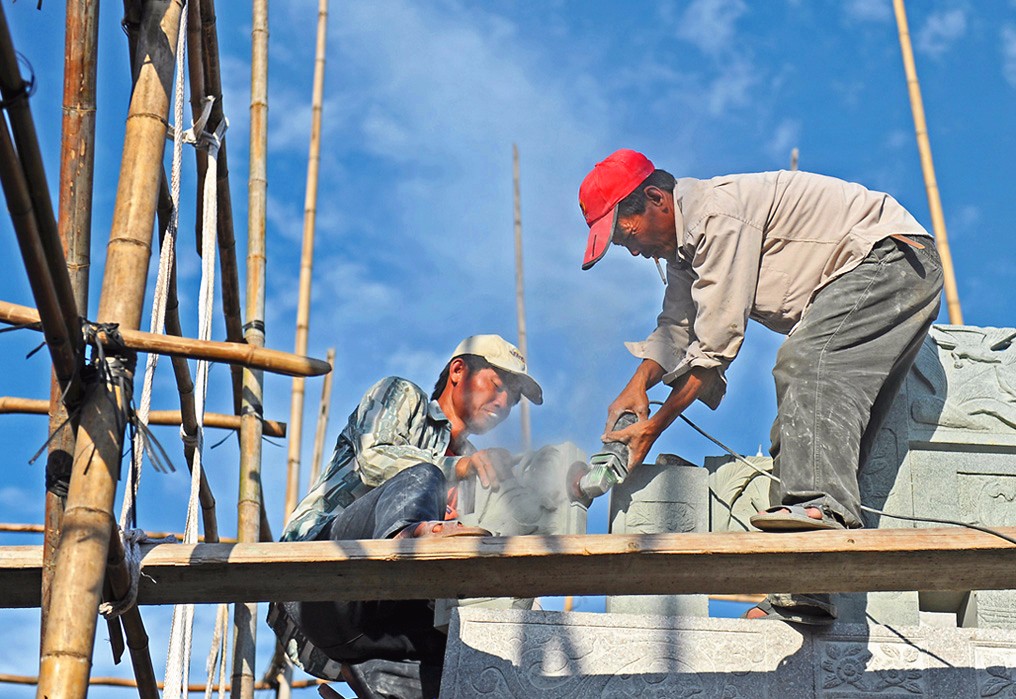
(435, 412)
(679, 225)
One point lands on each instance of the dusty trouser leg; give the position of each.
(835, 373)
(401, 631)
(840, 370)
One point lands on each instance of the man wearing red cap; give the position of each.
(847, 273)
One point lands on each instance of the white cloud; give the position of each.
(941, 31)
(869, 10)
(710, 24)
(1009, 54)
(786, 137)
(731, 87)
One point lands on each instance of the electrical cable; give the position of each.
(872, 510)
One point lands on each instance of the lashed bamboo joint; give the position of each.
(274, 361)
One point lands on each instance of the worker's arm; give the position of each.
(388, 436)
(641, 436)
(634, 398)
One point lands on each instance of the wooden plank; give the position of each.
(718, 563)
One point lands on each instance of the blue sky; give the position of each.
(414, 247)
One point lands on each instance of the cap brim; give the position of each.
(530, 389)
(600, 234)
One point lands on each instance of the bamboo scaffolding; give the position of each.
(18, 528)
(40, 274)
(322, 422)
(274, 361)
(88, 521)
(77, 160)
(952, 298)
(230, 275)
(50, 268)
(520, 297)
(306, 265)
(38, 406)
(860, 560)
(250, 504)
(129, 683)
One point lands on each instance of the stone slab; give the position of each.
(557, 655)
(669, 496)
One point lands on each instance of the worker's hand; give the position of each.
(639, 437)
(633, 399)
(491, 466)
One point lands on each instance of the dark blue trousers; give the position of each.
(369, 635)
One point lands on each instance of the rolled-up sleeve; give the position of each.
(384, 445)
(668, 343)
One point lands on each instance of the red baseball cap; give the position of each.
(613, 178)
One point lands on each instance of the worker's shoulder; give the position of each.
(396, 388)
(741, 196)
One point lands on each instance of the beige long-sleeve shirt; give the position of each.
(758, 246)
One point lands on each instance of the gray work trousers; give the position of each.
(836, 376)
(838, 372)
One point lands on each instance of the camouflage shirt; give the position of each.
(395, 426)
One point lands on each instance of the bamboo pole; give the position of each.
(17, 528)
(952, 298)
(37, 406)
(250, 504)
(40, 274)
(520, 297)
(48, 238)
(6, 678)
(258, 357)
(322, 421)
(306, 265)
(228, 267)
(118, 579)
(77, 166)
(196, 78)
(88, 521)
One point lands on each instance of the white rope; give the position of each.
(217, 654)
(178, 655)
(132, 540)
(178, 660)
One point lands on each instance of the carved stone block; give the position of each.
(670, 496)
(535, 501)
(549, 654)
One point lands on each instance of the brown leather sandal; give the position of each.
(440, 528)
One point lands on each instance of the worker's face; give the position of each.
(651, 233)
(483, 398)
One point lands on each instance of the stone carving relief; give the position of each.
(966, 379)
(875, 669)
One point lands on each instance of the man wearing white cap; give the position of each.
(393, 475)
(845, 272)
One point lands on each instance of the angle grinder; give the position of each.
(605, 469)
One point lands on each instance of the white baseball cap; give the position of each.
(505, 356)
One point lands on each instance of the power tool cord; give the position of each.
(872, 510)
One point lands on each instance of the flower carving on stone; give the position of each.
(845, 665)
(999, 684)
(900, 679)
